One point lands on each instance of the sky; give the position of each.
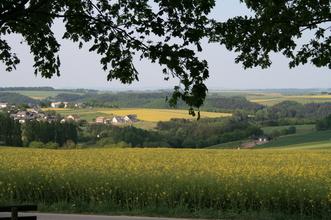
(81, 69)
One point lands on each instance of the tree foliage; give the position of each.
(168, 33)
(45, 132)
(276, 26)
(117, 30)
(10, 131)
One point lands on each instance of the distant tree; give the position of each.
(10, 131)
(324, 124)
(45, 104)
(45, 132)
(291, 130)
(61, 105)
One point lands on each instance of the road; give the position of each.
(48, 216)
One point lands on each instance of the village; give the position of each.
(22, 115)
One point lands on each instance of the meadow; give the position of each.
(270, 99)
(179, 182)
(299, 139)
(39, 95)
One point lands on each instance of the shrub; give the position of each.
(105, 141)
(36, 144)
(69, 144)
(52, 145)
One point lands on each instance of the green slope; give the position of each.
(320, 145)
(228, 145)
(301, 140)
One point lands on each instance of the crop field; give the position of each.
(292, 181)
(274, 98)
(154, 115)
(85, 114)
(144, 114)
(39, 95)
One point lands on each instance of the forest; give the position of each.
(37, 133)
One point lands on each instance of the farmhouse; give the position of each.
(117, 120)
(100, 120)
(73, 118)
(36, 110)
(3, 105)
(108, 121)
(130, 118)
(262, 140)
(59, 104)
(80, 105)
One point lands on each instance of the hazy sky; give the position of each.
(81, 69)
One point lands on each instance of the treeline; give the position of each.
(10, 131)
(291, 112)
(45, 132)
(208, 132)
(324, 124)
(177, 133)
(217, 102)
(128, 136)
(55, 134)
(213, 102)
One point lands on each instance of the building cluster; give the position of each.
(128, 119)
(36, 114)
(67, 105)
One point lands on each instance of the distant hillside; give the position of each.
(155, 100)
(15, 98)
(230, 103)
(26, 89)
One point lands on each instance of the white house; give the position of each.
(117, 120)
(130, 118)
(73, 117)
(59, 104)
(3, 105)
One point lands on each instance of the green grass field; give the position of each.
(301, 139)
(228, 145)
(39, 95)
(304, 134)
(304, 139)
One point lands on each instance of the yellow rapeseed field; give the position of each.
(155, 115)
(144, 114)
(273, 180)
